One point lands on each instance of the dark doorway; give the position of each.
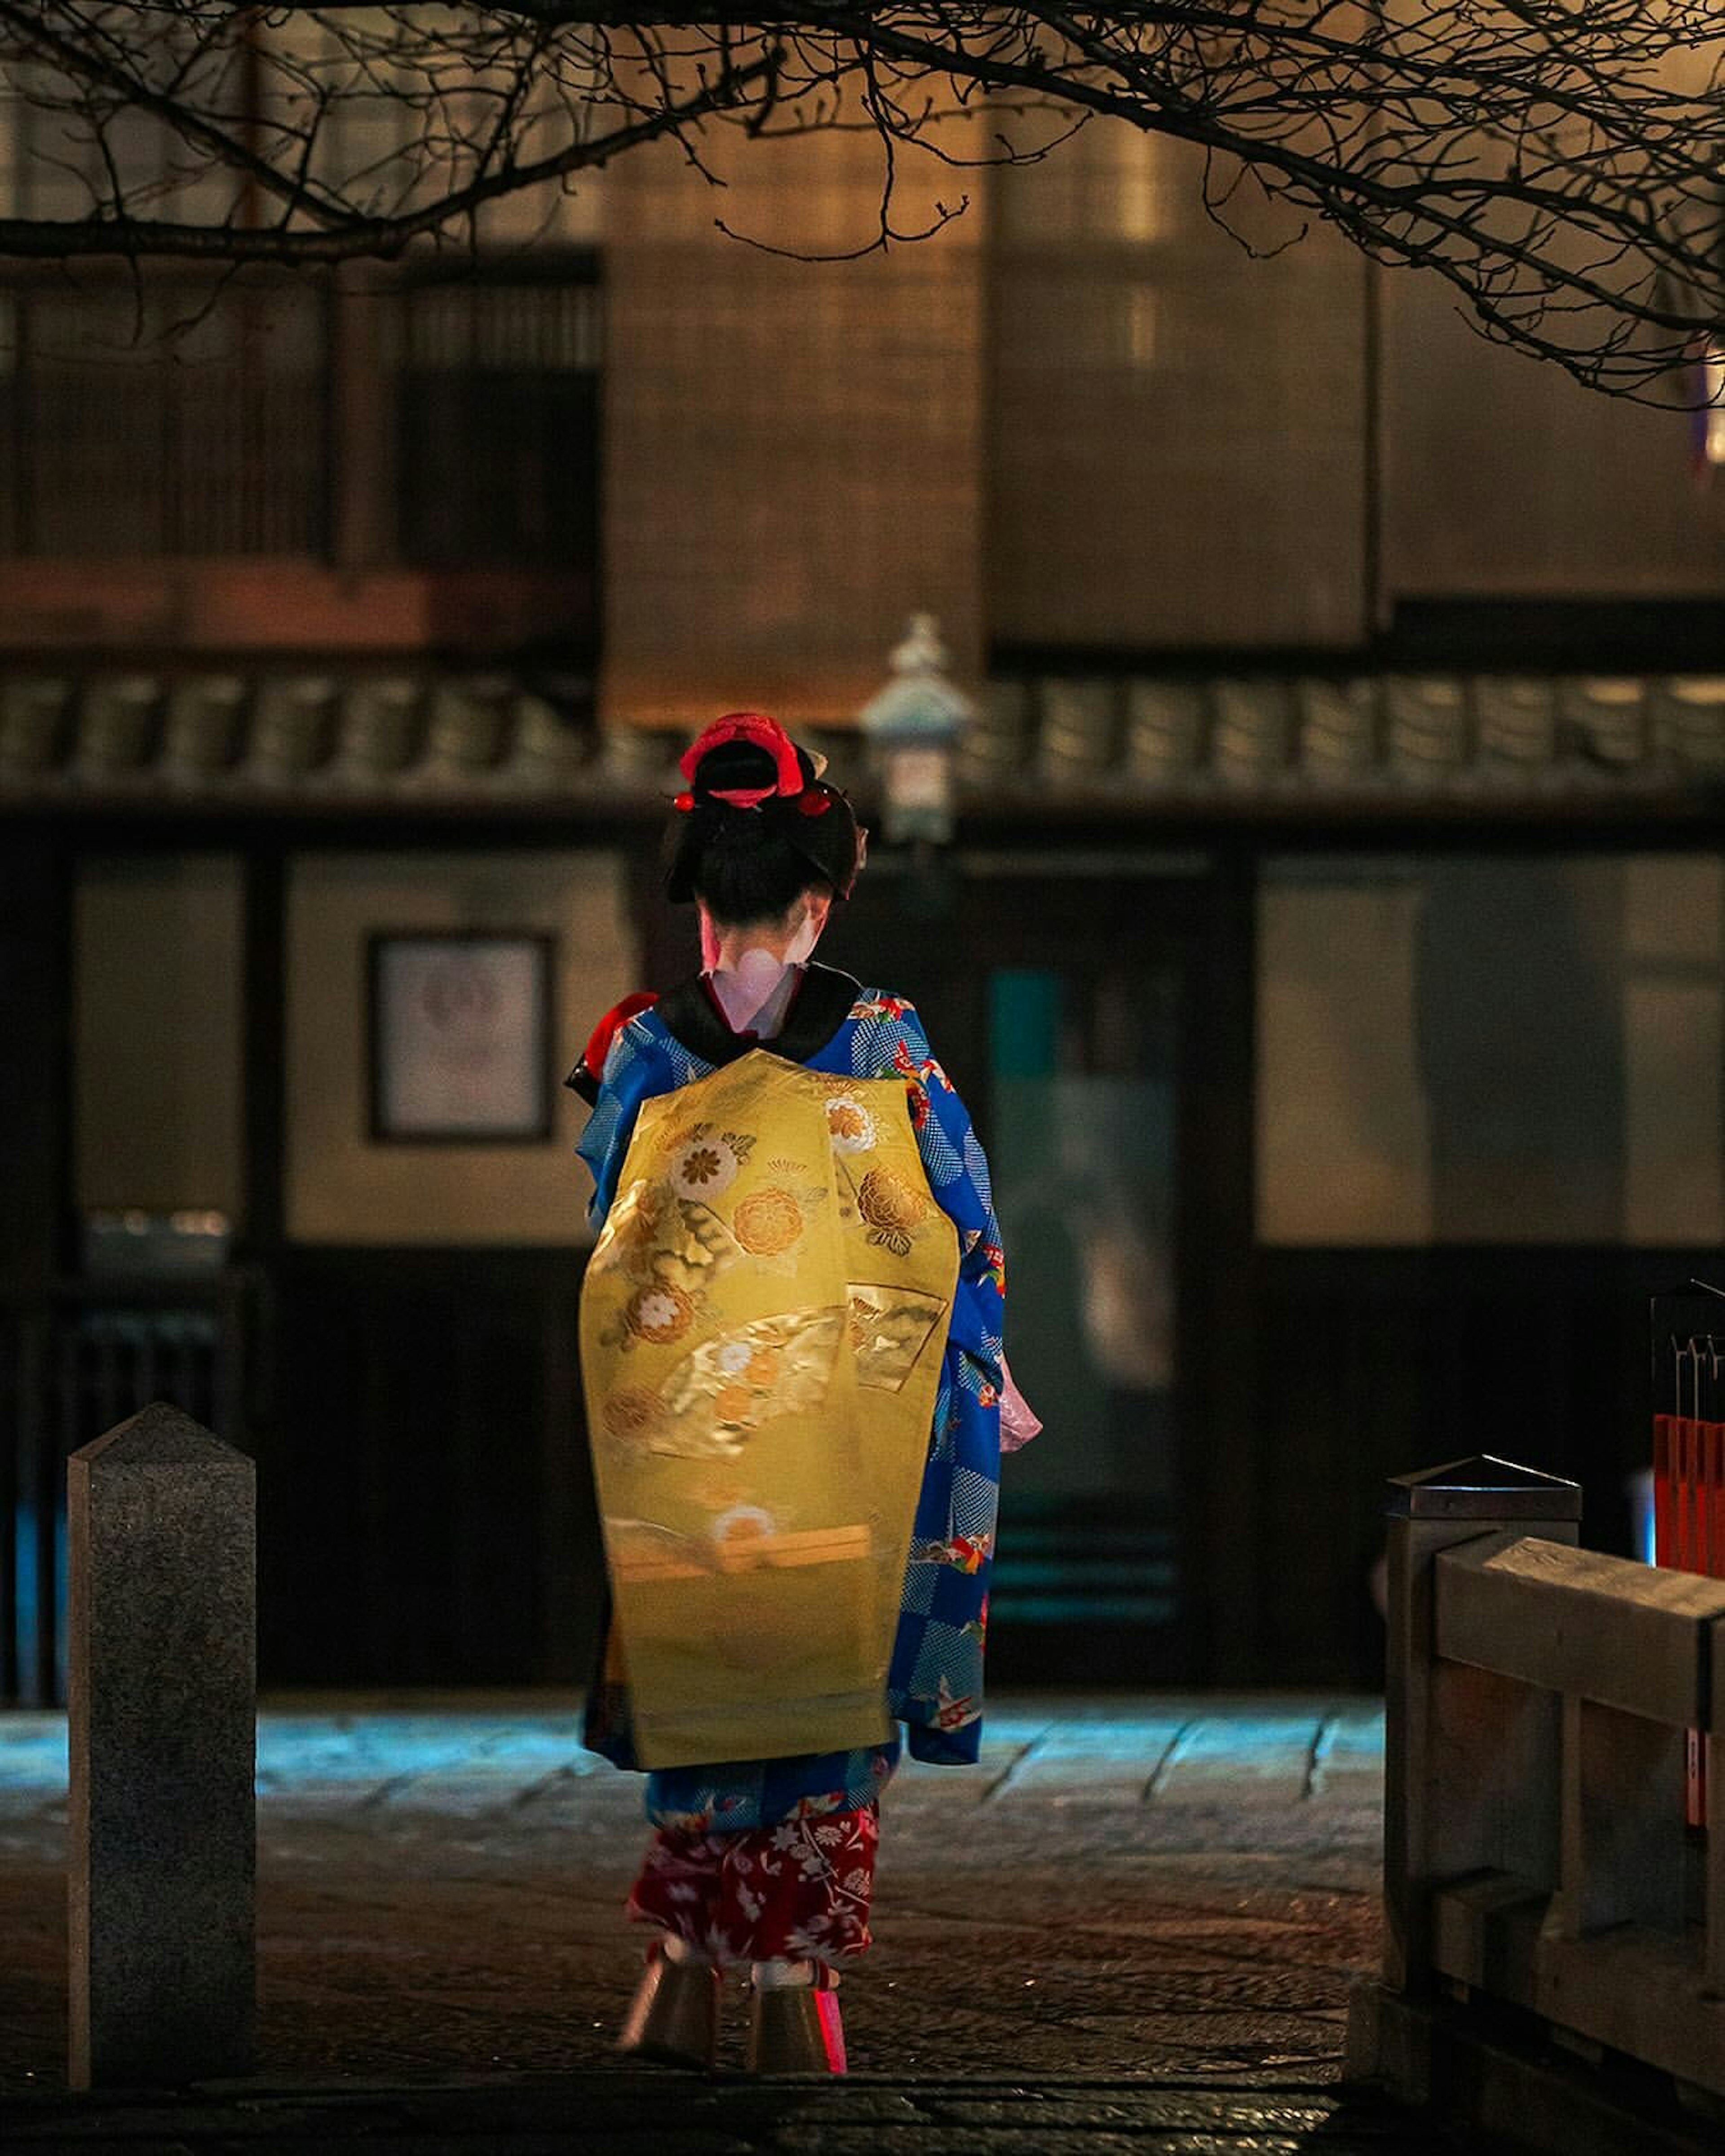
(1064, 1005)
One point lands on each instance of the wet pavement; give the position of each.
(1134, 1925)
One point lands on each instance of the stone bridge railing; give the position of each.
(1536, 1855)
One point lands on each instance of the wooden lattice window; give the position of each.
(163, 419)
(497, 422)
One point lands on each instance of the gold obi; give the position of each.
(761, 1329)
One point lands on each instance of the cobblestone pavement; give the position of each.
(1132, 1926)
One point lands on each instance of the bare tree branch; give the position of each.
(1561, 163)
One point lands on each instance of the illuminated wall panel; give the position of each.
(1492, 1051)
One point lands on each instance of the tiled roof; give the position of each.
(331, 736)
(1279, 738)
(1124, 745)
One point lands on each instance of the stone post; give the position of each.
(1469, 1760)
(1462, 1750)
(162, 1827)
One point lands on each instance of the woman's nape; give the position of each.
(788, 940)
(751, 965)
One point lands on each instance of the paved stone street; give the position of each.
(1132, 1925)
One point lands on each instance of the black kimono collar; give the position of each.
(821, 1004)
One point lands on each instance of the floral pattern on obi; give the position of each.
(770, 1222)
(672, 1249)
(894, 1208)
(849, 1124)
(719, 1396)
(704, 1166)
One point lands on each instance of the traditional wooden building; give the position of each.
(1331, 943)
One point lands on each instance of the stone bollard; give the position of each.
(1470, 1760)
(162, 1710)
(1442, 1801)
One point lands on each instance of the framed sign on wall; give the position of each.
(459, 1027)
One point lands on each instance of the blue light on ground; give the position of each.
(297, 1749)
(303, 1750)
(32, 1752)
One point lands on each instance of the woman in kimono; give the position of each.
(768, 1860)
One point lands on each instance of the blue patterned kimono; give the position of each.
(935, 1679)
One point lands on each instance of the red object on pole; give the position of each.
(1716, 1500)
(1687, 1337)
(1685, 1493)
(1688, 1392)
(1689, 1535)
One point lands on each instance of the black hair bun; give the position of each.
(732, 767)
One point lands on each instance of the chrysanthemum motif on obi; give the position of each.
(893, 1207)
(633, 1418)
(703, 1168)
(851, 1125)
(767, 1223)
(637, 1223)
(658, 1314)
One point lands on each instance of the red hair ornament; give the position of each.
(759, 732)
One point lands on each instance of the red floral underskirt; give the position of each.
(799, 1891)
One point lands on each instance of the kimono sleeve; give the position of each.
(635, 1072)
(957, 1171)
